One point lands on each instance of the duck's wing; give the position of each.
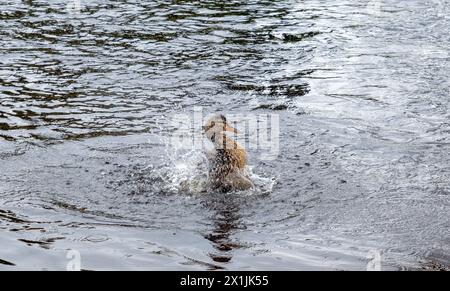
(239, 181)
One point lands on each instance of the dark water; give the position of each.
(87, 92)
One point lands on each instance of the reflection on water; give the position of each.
(86, 98)
(226, 221)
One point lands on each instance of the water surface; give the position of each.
(87, 94)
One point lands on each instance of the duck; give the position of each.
(228, 169)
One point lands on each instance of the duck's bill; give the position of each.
(231, 129)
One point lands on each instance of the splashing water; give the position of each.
(187, 172)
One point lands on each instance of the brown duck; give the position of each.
(228, 163)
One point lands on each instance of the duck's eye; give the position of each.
(213, 123)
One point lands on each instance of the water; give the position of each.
(87, 92)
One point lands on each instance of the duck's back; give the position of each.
(228, 170)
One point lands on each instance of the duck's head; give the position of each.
(216, 127)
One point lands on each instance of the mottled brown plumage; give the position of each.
(228, 163)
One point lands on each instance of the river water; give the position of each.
(88, 90)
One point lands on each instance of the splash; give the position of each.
(189, 174)
(263, 185)
(186, 172)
